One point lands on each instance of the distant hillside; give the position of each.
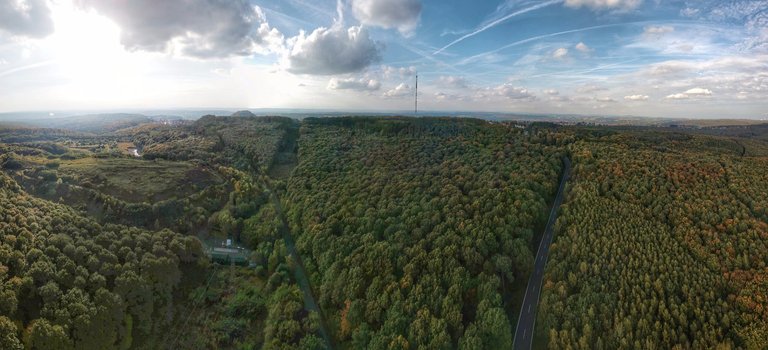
(94, 123)
(243, 114)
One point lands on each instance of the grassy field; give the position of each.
(135, 180)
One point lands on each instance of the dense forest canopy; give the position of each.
(218, 195)
(68, 282)
(417, 231)
(662, 243)
(380, 233)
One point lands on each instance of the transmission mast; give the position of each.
(416, 97)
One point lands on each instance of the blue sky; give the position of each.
(706, 59)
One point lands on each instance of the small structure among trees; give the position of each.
(226, 254)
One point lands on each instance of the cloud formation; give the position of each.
(622, 5)
(399, 91)
(689, 12)
(699, 91)
(404, 72)
(31, 18)
(750, 13)
(636, 98)
(330, 51)
(400, 14)
(658, 29)
(441, 96)
(587, 89)
(505, 91)
(452, 82)
(354, 84)
(582, 47)
(677, 97)
(560, 53)
(197, 28)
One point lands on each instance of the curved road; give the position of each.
(527, 319)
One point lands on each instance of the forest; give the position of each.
(103, 250)
(661, 244)
(417, 232)
(379, 233)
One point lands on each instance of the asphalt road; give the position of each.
(527, 319)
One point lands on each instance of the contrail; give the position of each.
(497, 22)
(27, 67)
(544, 36)
(539, 37)
(311, 6)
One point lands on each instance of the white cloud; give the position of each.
(699, 91)
(583, 47)
(329, 51)
(354, 84)
(586, 89)
(636, 98)
(605, 99)
(560, 53)
(658, 29)
(404, 72)
(399, 91)
(505, 91)
(441, 96)
(751, 14)
(30, 18)
(560, 99)
(677, 97)
(452, 82)
(689, 12)
(551, 92)
(622, 5)
(400, 14)
(758, 41)
(197, 28)
(712, 82)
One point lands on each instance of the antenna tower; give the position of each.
(416, 97)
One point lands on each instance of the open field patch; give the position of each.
(135, 180)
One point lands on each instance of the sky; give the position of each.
(689, 59)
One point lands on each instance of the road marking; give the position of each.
(529, 308)
(525, 331)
